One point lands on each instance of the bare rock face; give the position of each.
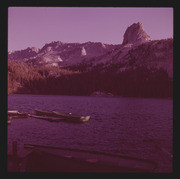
(26, 53)
(135, 34)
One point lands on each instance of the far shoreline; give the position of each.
(114, 96)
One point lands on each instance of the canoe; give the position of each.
(68, 117)
(23, 115)
(17, 114)
(13, 111)
(71, 117)
(59, 159)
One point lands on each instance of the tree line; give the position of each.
(138, 82)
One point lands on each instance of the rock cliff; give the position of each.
(135, 34)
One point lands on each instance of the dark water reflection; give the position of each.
(138, 127)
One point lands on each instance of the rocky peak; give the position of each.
(21, 54)
(135, 34)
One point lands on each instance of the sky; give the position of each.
(36, 26)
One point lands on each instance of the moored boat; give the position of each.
(59, 159)
(17, 114)
(68, 117)
(71, 117)
(12, 112)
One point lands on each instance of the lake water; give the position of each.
(140, 127)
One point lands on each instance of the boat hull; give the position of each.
(72, 118)
(58, 159)
(43, 113)
(47, 118)
(67, 117)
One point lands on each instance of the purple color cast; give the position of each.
(35, 26)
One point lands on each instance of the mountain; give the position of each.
(135, 34)
(139, 66)
(23, 54)
(59, 53)
(137, 48)
(152, 54)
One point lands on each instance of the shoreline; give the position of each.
(114, 96)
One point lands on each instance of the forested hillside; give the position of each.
(139, 82)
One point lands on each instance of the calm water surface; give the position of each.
(140, 127)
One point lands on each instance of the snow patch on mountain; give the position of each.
(83, 52)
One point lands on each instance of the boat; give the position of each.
(71, 117)
(68, 117)
(17, 114)
(37, 158)
(12, 112)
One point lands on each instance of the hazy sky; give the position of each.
(35, 26)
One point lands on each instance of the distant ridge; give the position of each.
(137, 49)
